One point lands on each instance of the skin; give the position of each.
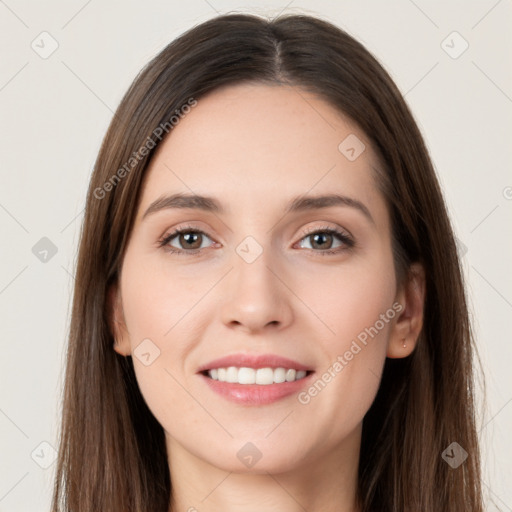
(254, 147)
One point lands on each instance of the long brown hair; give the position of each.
(112, 454)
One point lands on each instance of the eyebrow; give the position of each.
(297, 204)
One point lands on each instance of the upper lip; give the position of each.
(254, 361)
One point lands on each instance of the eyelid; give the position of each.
(326, 227)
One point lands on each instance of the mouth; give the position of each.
(261, 376)
(255, 380)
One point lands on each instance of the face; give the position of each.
(259, 278)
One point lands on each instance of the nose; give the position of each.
(256, 296)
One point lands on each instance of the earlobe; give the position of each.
(407, 328)
(116, 322)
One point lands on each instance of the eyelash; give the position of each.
(346, 239)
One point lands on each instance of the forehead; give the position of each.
(251, 143)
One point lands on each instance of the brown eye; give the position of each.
(189, 241)
(322, 240)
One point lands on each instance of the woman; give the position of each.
(269, 311)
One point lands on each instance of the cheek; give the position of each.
(152, 309)
(356, 305)
(159, 350)
(157, 303)
(351, 299)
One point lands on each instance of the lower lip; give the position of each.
(256, 394)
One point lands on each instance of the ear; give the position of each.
(117, 323)
(407, 327)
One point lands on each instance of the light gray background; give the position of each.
(55, 111)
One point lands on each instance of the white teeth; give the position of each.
(262, 376)
(279, 375)
(246, 376)
(232, 374)
(290, 375)
(265, 376)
